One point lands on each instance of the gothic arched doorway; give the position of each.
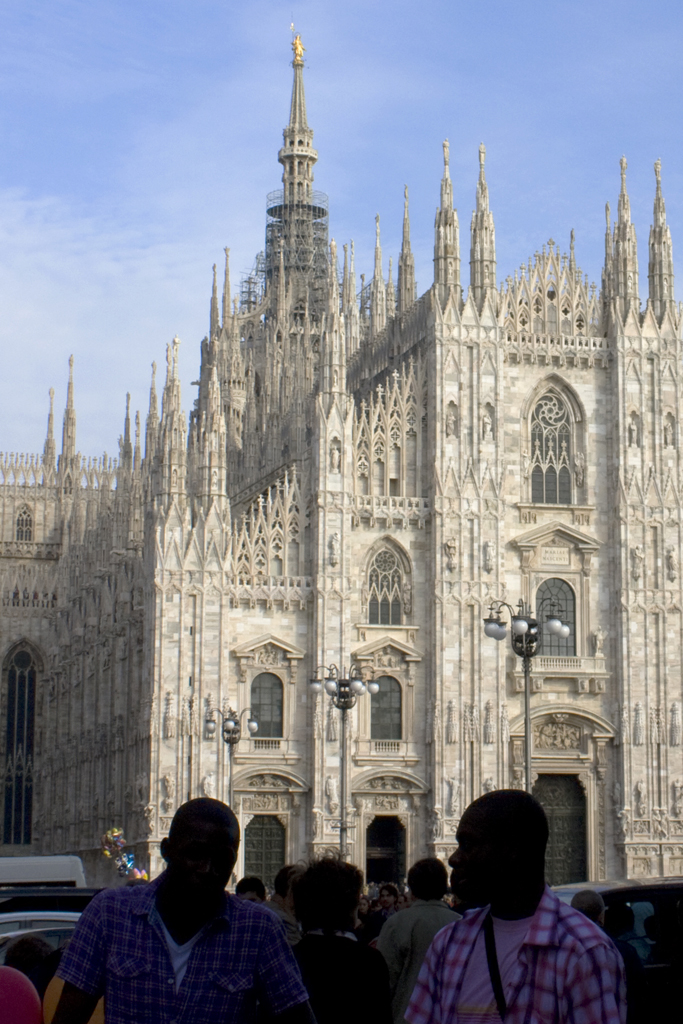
(564, 802)
(264, 847)
(385, 850)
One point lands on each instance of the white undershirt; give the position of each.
(477, 1003)
(179, 954)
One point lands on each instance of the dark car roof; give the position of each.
(49, 897)
(622, 886)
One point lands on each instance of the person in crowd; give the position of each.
(282, 901)
(522, 955)
(618, 921)
(180, 948)
(346, 981)
(405, 938)
(27, 952)
(252, 889)
(590, 903)
(403, 902)
(388, 896)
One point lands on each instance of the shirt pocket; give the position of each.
(128, 989)
(233, 982)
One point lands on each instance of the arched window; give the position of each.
(266, 704)
(25, 524)
(557, 597)
(385, 589)
(551, 452)
(20, 676)
(385, 715)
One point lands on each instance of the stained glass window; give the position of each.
(21, 690)
(385, 581)
(551, 452)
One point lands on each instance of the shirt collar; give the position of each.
(144, 900)
(544, 925)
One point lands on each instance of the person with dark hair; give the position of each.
(180, 948)
(26, 952)
(619, 923)
(521, 955)
(406, 937)
(388, 898)
(251, 888)
(346, 981)
(282, 901)
(590, 903)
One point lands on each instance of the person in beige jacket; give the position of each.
(406, 937)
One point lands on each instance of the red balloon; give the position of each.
(19, 1000)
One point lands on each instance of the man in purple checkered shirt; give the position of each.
(523, 957)
(179, 950)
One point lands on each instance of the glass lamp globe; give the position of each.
(210, 727)
(373, 687)
(315, 686)
(553, 625)
(564, 631)
(491, 628)
(230, 725)
(519, 626)
(252, 726)
(357, 685)
(330, 687)
(501, 632)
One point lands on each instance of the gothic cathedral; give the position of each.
(363, 472)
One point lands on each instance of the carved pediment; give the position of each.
(386, 652)
(553, 544)
(266, 652)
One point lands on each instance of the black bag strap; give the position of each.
(492, 959)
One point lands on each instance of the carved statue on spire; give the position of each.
(446, 153)
(299, 49)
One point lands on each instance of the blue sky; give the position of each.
(139, 138)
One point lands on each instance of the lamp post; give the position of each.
(526, 640)
(344, 691)
(231, 731)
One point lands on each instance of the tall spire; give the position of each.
(137, 456)
(390, 291)
(349, 305)
(215, 322)
(447, 238)
(297, 112)
(572, 253)
(69, 426)
(378, 307)
(152, 425)
(125, 447)
(226, 288)
(49, 450)
(625, 254)
(660, 264)
(406, 263)
(483, 240)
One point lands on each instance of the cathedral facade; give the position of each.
(363, 472)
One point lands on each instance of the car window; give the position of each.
(57, 937)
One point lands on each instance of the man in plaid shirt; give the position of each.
(524, 957)
(179, 951)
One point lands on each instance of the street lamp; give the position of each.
(344, 691)
(526, 640)
(231, 731)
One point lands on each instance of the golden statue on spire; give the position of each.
(299, 49)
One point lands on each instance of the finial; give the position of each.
(377, 229)
(482, 157)
(623, 164)
(658, 172)
(299, 50)
(405, 196)
(154, 371)
(52, 397)
(71, 367)
(446, 154)
(608, 215)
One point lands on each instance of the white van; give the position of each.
(24, 871)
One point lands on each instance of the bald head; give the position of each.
(590, 903)
(205, 811)
(511, 817)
